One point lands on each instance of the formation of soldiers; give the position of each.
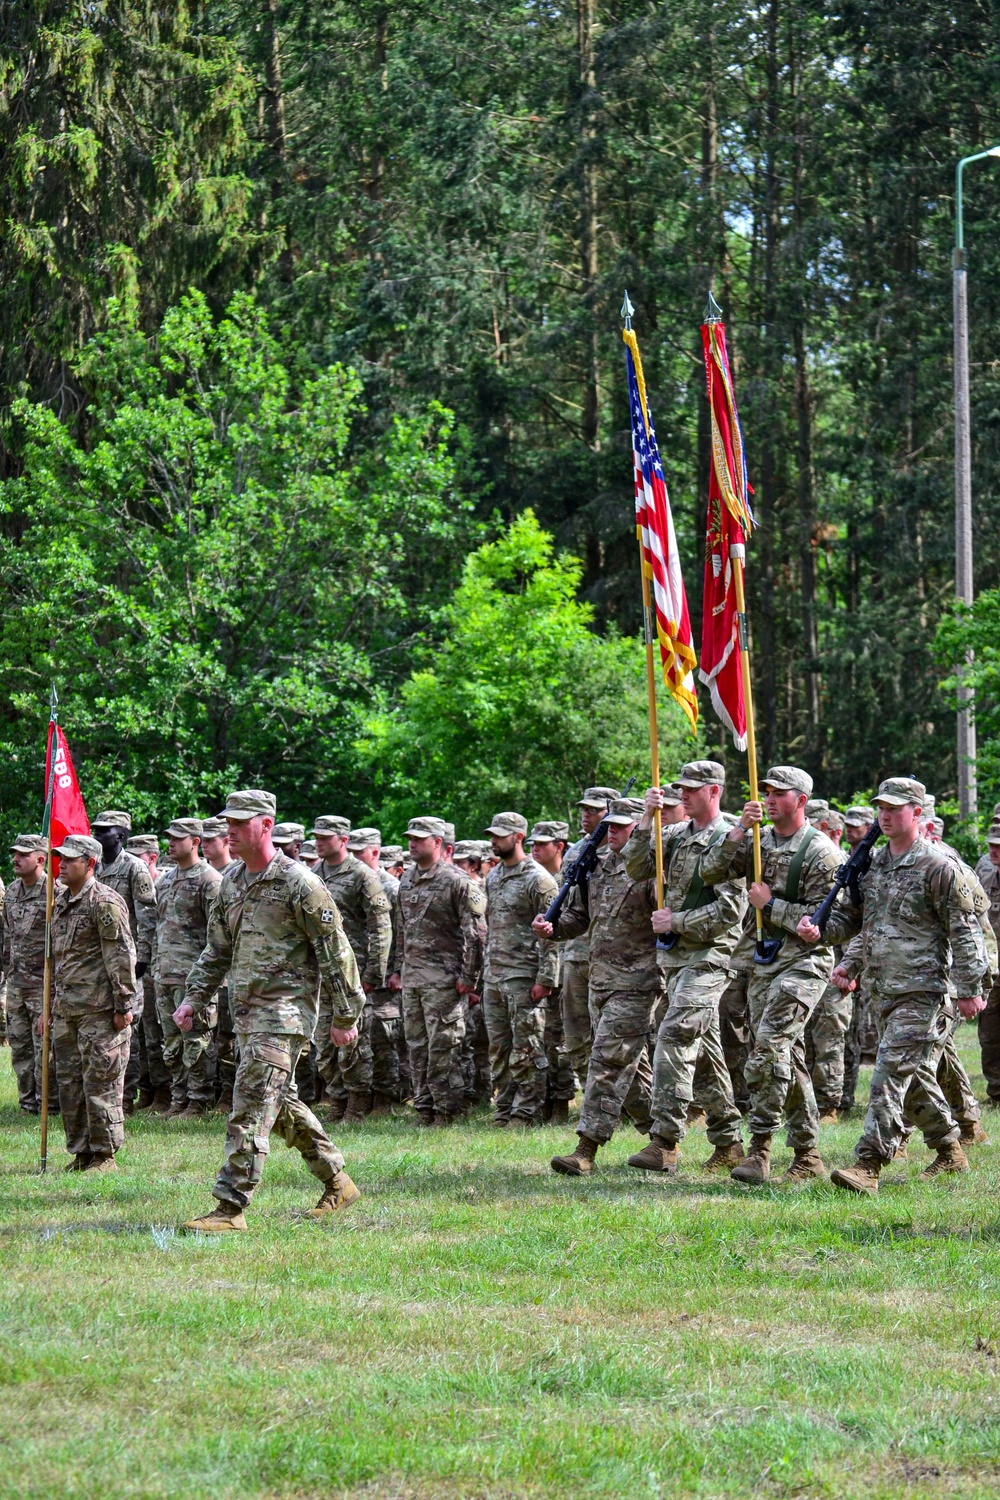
(277, 978)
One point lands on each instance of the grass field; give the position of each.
(476, 1326)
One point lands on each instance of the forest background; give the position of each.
(315, 466)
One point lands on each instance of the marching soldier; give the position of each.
(574, 998)
(216, 852)
(549, 842)
(857, 821)
(23, 965)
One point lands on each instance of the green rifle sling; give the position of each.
(698, 893)
(795, 867)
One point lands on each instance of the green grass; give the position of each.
(477, 1327)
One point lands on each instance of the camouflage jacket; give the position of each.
(990, 881)
(93, 955)
(616, 911)
(576, 950)
(732, 859)
(707, 934)
(984, 865)
(183, 903)
(130, 877)
(917, 927)
(279, 938)
(364, 911)
(515, 897)
(390, 888)
(23, 960)
(440, 930)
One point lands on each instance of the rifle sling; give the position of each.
(698, 893)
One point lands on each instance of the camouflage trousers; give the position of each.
(853, 1046)
(188, 1056)
(476, 1057)
(515, 1025)
(23, 1010)
(561, 1083)
(344, 1070)
(265, 1100)
(434, 1026)
(776, 1073)
(826, 1041)
(734, 1034)
(154, 1073)
(225, 1045)
(577, 1024)
(133, 1064)
(90, 1067)
(913, 1036)
(619, 1076)
(989, 1042)
(387, 1023)
(688, 1061)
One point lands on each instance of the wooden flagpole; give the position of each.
(49, 897)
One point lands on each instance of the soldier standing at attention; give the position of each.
(917, 921)
(798, 868)
(574, 1001)
(154, 1079)
(467, 857)
(130, 877)
(520, 972)
(184, 898)
(705, 923)
(549, 842)
(289, 838)
(386, 1017)
(439, 943)
(93, 969)
(364, 911)
(626, 984)
(274, 930)
(215, 851)
(23, 965)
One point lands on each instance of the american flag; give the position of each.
(671, 624)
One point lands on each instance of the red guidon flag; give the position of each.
(671, 624)
(64, 809)
(730, 521)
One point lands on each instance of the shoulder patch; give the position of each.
(108, 916)
(477, 899)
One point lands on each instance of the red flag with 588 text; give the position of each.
(67, 813)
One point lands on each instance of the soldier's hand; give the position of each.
(759, 893)
(367, 987)
(663, 920)
(543, 928)
(541, 991)
(840, 978)
(971, 1008)
(395, 982)
(463, 986)
(343, 1038)
(472, 998)
(753, 812)
(184, 1016)
(140, 970)
(808, 931)
(40, 1026)
(653, 800)
(120, 1019)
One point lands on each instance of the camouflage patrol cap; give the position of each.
(79, 846)
(29, 843)
(625, 810)
(391, 854)
(214, 828)
(308, 850)
(996, 812)
(113, 820)
(468, 849)
(287, 833)
(787, 779)
(186, 828)
(701, 773)
(598, 797)
(901, 791)
(242, 806)
(143, 843)
(939, 827)
(449, 832)
(425, 828)
(544, 832)
(672, 795)
(507, 822)
(364, 838)
(855, 817)
(993, 837)
(331, 825)
(836, 822)
(927, 807)
(817, 807)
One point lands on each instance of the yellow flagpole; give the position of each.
(741, 612)
(47, 998)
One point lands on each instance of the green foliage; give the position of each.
(209, 579)
(977, 629)
(522, 704)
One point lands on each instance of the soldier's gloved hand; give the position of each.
(971, 1008)
(395, 982)
(140, 970)
(184, 1016)
(840, 979)
(121, 1019)
(343, 1038)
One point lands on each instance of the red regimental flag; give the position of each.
(64, 810)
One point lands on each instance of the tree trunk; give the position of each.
(590, 419)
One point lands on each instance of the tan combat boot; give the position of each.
(177, 1108)
(696, 1117)
(224, 1103)
(755, 1167)
(161, 1100)
(146, 1099)
(973, 1134)
(381, 1105)
(339, 1192)
(560, 1112)
(950, 1158)
(806, 1167)
(828, 1117)
(224, 1216)
(902, 1151)
(660, 1155)
(724, 1158)
(358, 1104)
(100, 1164)
(79, 1162)
(336, 1109)
(441, 1121)
(581, 1162)
(861, 1178)
(196, 1109)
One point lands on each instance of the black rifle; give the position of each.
(849, 875)
(583, 866)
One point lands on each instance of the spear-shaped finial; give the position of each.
(627, 310)
(53, 703)
(713, 312)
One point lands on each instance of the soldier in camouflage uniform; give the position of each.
(364, 911)
(216, 852)
(574, 1001)
(184, 899)
(439, 942)
(276, 933)
(984, 864)
(917, 920)
(23, 965)
(289, 838)
(704, 922)
(468, 857)
(989, 1018)
(154, 1077)
(130, 877)
(798, 868)
(520, 972)
(386, 1016)
(626, 983)
(549, 842)
(857, 821)
(93, 972)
